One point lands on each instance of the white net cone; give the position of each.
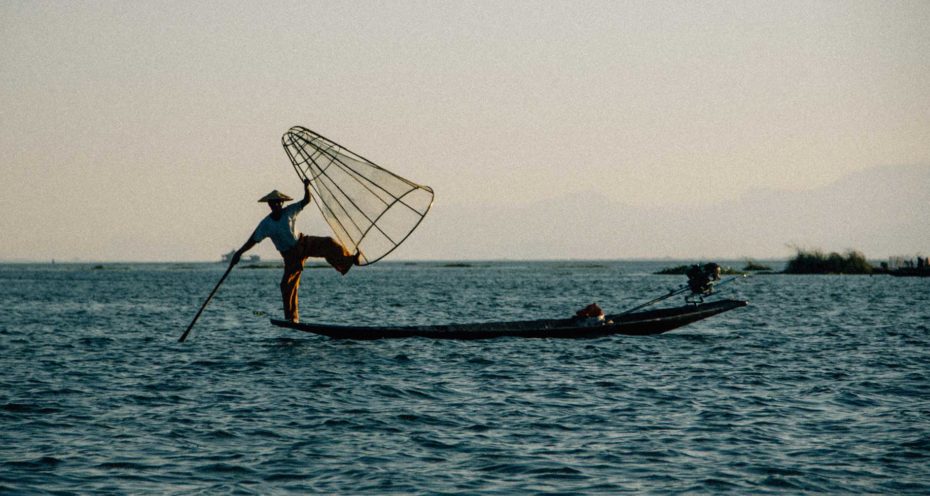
(371, 210)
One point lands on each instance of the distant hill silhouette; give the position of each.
(879, 211)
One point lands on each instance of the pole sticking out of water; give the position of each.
(186, 332)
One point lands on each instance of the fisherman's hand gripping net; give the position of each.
(371, 210)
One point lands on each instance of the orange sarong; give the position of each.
(306, 247)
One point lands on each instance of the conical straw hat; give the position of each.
(275, 195)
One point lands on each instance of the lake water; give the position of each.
(822, 384)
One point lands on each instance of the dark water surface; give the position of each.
(822, 384)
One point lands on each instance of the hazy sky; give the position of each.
(148, 130)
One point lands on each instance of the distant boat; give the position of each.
(228, 256)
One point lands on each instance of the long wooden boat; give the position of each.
(631, 324)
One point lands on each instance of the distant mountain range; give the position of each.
(880, 211)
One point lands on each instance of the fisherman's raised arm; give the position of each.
(306, 200)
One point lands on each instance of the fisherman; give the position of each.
(295, 248)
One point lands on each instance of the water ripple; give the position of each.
(818, 387)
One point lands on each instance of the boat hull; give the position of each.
(632, 324)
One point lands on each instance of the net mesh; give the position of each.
(371, 210)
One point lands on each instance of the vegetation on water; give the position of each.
(110, 267)
(818, 262)
(274, 265)
(752, 266)
(582, 266)
(679, 270)
(804, 262)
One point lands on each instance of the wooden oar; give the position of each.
(186, 332)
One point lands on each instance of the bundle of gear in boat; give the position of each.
(701, 279)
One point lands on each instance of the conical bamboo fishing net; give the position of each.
(371, 210)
